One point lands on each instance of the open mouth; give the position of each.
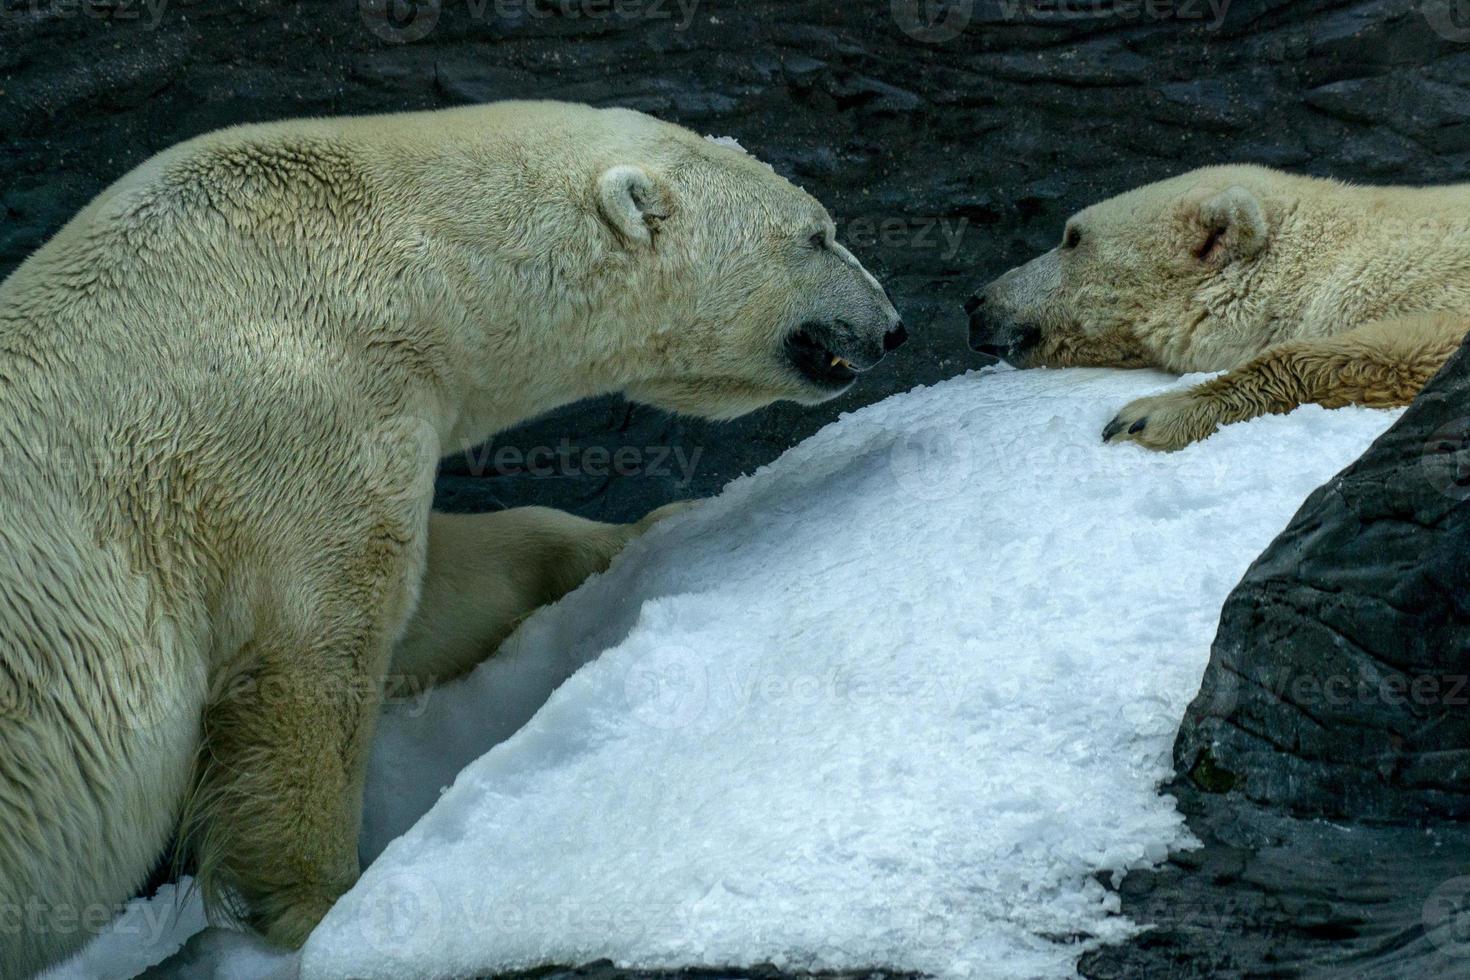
(817, 363)
(1017, 348)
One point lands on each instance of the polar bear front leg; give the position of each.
(488, 572)
(274, 823)
(1384, 364)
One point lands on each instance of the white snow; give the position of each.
(891, 701)
(728, 141)
(143, 935)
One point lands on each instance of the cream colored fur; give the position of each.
(223, 389)
(1305, 290)
(473, 598)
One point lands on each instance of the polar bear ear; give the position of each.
(1228, 227)
(633, 203)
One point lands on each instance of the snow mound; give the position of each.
(891, 701)
(145, 933)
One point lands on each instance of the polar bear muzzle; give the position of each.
(831, 354)
(998, 334)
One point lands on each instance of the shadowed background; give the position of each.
(949, 141)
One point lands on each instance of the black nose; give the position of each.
(895, 338)
(989, 334)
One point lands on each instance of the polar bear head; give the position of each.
(674, 268)
(1179, 275)
(754, 299)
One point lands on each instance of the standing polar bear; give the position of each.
(1304, 290)
(223, 389)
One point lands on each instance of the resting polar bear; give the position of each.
(1305, 290)
(223, 389)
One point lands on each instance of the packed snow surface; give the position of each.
(892, 701)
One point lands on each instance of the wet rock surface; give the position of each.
(1339, 681)
(1325, 762)
(1270, 895)
(950, 141)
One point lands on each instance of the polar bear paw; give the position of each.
(663, 513)
(1165, 422)
(287, 918)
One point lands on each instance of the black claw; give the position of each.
(1138, 426)
(1112, 429)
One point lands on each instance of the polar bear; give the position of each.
(1302, 289)
(223, 390)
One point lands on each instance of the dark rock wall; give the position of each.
(1272, 896)
(1339, 682)
(950, 140)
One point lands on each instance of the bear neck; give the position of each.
(519, 344)
(500, 312)
(1370, 253)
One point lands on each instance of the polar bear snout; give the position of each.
(997, 332)
(832, 353)
(1007, 315)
